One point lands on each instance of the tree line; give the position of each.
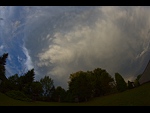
(82, 85)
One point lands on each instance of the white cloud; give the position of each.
(145, 49)
(28, 62)
(1, 47)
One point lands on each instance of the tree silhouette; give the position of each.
(47, 85)
(3, 79)
(121, 84)
(2, 66)
(80, 86)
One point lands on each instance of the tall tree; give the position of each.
(106, 82)
(136, 81)
(80, 86)
(120, 82)
(47, 85)
(2, 66)
(13, 82)
(29, 76)
(36, 89)
(25, 82)
(59, 94)
(102, 82)
(3, 79)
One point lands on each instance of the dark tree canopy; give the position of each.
(85, 85)
(59, 94)
(121, 84)
(36, 89)
(80, 86)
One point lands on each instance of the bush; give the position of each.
(18, 95)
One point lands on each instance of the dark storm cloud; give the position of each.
(114, 38)
(62, 40)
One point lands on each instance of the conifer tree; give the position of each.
(2, 66)
(121, 84)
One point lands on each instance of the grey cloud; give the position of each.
(84, 38)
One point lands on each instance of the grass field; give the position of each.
(139, 96)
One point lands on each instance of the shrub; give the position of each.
(18, 95)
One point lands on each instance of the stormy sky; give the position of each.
(59, 40)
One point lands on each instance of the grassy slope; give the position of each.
(135, 97)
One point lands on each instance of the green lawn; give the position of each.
(139, 96)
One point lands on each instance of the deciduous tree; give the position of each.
(47, 86)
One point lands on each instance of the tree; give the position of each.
(2, 66)
(130, 86)
(96, 82)
(139, 76)
(120, 82)
(25, 82)
(80, 86)
(106, 82)
(85, 85)
(14, 79)
(47, 86)
(3, 79)
(13, 82)
(136, 81)
(59, 94)
(36, 89)
(101, 81)
(29, 77)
